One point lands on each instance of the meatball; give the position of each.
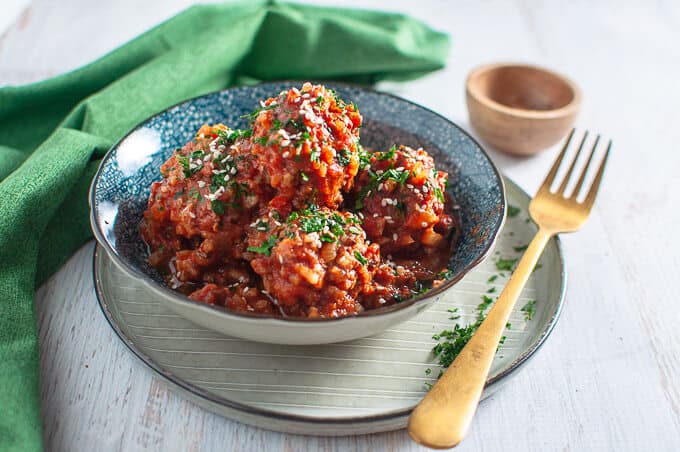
(402, 195)
(314, 263)
(209, 191)
(306, 141)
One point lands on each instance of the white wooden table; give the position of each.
(607, 379)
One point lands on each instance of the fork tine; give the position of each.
(556, 166)
(592, 193)
(565, 180)
(582, 177)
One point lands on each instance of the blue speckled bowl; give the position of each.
(120, 190)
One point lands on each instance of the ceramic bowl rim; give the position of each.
(178, 298)
(570, 108)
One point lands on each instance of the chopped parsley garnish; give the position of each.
(398, 175)
(422, 287)
(330, 225)
(197, 154)
(319, 99)
(364, 156)
(194, 193)
(454, 313)
(314, 155)
(492, 278)
(519, 249)
(486, 302)
(386, 155)
(265, 248)
(297, 125)
(262, 225)
(253, 115)
(445, 274)
(506, 264)
(438, 193)
(190, 168)
(513, 211)
(230, 136)
(217, 206)
(450, 342)
(304, 177)
(262, 141)
(395, 174)
(217, 181)
(528, 310)
(338, 101)
(491, 290)
(360, 258)
(343, 157)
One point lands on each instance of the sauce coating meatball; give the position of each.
(306, 141)
(315, 263)
(402, 196)
(197, 213)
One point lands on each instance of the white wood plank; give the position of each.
(605, 380)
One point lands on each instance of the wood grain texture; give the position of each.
(607, 377)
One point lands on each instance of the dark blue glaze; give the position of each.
(121, 187)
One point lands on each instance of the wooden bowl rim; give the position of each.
(571, 108)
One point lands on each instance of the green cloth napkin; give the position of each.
(53, 133)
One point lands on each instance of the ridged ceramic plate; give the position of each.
(364, 386)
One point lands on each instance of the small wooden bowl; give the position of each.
(521, 109)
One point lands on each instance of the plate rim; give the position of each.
(393, 415)
(167, 293)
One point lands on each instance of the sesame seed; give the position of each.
(423, 224)
(394, 236)
(201, 184)
(285, 155)
(280, 259)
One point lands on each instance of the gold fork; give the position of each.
(442, 418)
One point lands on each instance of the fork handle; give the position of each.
(442, 418)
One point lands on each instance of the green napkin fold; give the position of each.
(53, 133)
